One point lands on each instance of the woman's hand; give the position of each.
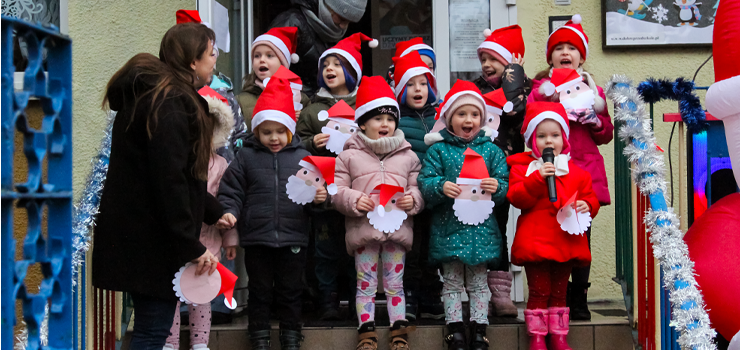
(230, 253)
(320, 140)
(365, 204)
(406, 203)
(490, 184)
(226, 222)
(581, 207)
(206, 262)
(451, 190)
(320, 196)
(547, 169)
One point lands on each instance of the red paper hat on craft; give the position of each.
(562, 79)
(323, 166)
(275, 104)
(283, 41)
(286, 74)
(571, 33)
(206, 91)
(349, 49)
(340, 112)
(228, 281)
(403, 48)
(507, 42)
(374, 92)
(187, 16)
(386, 192)
(496, 102)
(473, 170)
(539, 111)
(408, 67)
(459, 89)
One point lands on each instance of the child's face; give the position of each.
(417, 92)
(264, 62)
(273, 135)
(490, 65)
(381, 125)
(429, 62)
(466, 121)
(333, 74)
(549, 134)
(565, 55)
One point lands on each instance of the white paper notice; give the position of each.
(468, 20)
(220, 26)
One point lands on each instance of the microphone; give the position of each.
(549, 157)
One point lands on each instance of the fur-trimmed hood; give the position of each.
(224, 121)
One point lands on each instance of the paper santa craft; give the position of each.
(571, 220)
(474, 205)
(387, 217)
(315, 172)
(496, 106)
(296, 85)
(198, 290)
(340, 127)
(575, 95)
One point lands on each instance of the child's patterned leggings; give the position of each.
(392, 258)
(454, 273)
(548, 283)
(200, 325)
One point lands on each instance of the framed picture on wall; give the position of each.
(556, 22)
(644, 23)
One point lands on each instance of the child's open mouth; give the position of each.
(331, 76)
(418, 98)
(383, 133)
(565, 62)
(467, 129)
(263, 69)
(489, 72)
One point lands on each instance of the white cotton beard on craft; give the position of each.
(336, 140)
(298, 191)
(386, 221)
(583, 100)
(472, 212)
(573, 222)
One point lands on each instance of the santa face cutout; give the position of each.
(473, 206)
(387, 218)
(578, 99)
(339, 133)
(302, 186)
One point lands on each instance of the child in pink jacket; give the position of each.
(567, 47)
(211, 237)
(379, 230)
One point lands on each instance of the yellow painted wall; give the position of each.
(637, 64)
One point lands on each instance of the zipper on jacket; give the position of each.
(382, 172)
(423, 122)
(277, 196)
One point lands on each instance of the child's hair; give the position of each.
(349, 73)
(256, 132)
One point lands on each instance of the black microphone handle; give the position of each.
(549, 157)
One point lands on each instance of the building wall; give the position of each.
(637, 64)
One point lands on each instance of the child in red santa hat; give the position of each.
(546, 251)
(567, 47)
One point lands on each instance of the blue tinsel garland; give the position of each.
(682, 90)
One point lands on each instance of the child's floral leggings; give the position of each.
(200, 325)
(392, 258)
(454, 273)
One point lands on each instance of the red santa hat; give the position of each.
(386, 192)
(187, 16)
(562, 79)
(473, 170)
(408, 67)
(340, 112)
(403, 48)
(540, 111)
(571, 33)
(275, 104)
(349, 49)
(295, 82)
(462, 92)
(228, 281)
(283, 41)
(323, 166)
(375, 97)
(505, 42)
(496, 102)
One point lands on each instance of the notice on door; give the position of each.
(468, 20)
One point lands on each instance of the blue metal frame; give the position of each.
(49, 146)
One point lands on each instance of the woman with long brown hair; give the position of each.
(154, 197)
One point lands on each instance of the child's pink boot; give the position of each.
(536, 320)
(558, 328)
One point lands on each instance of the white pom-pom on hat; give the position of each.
(576, 19)
(332, 189)
(323, 115)
(373, 43)
(508, 107)
(547, 88)
(487, 32)
(294, 58)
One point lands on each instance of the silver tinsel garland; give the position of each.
(687, 304)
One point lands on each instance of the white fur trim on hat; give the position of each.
(497, 48)
(494, 110)
(532, 126)
(348, 57)
(466, 181)
(722, 98)
(568, 84)
(450, 101)
(416, 47)
(275, 116)
(383, 101)
(508, 106)
(278, 43)
(308, 166)
(293, 85)
(580, 35)
(547, 88)
(576, 19)
(323, 115)
(332, 189)
(410, 74)
(344, 121)
(487, 32)
(294, 58)
(373, 43)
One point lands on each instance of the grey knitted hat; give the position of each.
(349, 9)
